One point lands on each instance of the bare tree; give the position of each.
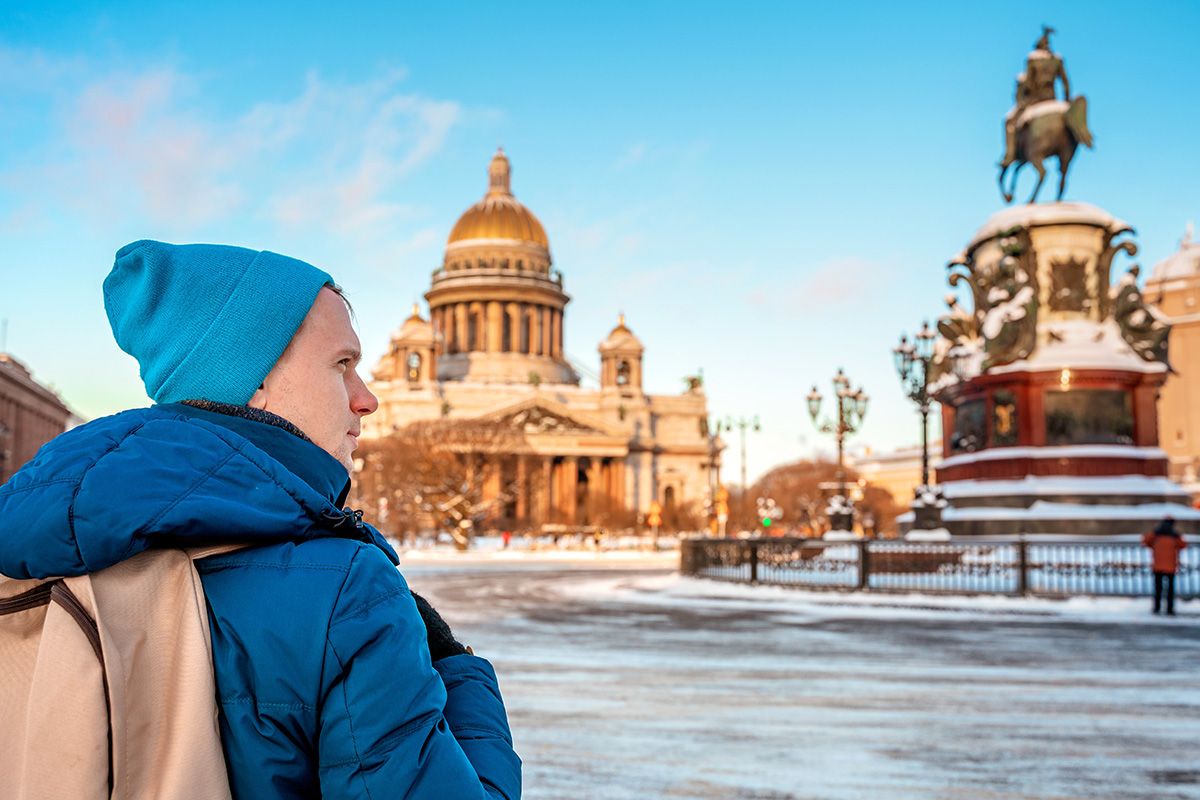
(442, 475)
(802, 491)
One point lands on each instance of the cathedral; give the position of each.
(492, 351)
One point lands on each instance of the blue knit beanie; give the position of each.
(206, 321)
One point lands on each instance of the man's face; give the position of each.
(314, 384)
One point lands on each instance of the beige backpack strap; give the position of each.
(55, 736)
(108, 686)
(153, 622)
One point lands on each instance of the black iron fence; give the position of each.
(962, 566)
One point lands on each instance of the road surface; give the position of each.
(628, 683)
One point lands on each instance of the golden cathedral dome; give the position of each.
(499, 215)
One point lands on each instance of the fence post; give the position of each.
(1022, 567)
(754, 562)
(864, 565)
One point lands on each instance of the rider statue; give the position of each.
(1034, 85)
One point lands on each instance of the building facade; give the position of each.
(1174, 288)
(897, 472)
(30, 416)
(492, 349)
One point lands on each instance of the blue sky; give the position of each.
(767, 190)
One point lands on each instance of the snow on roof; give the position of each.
(1043, 510)
(1081, 344)
(1183, 263)
(1057, 451)
(1038, 214)
(1053, 485)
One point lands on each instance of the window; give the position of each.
(414, 367)
(623, 373)
(970, 427)
(1089, 416)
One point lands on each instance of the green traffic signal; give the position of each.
(767, 521)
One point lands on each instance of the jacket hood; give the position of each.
(169, 475)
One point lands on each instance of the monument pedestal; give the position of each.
(1048, 384)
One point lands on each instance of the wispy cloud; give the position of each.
(148, 145)
(830, 285)
(631, 156)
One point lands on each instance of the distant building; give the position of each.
(492, 350)
(1174, 288)
(897, 472)
(30, 415)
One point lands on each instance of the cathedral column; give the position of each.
(547, 489)
(522, 489)
(493, 327)
(570, 488)
(617, 501)
(460, 324)
(544, 313)
(470, 468)
(555, 333)
(513, 310)
(595, 490)
(491, 480)
(535, 330)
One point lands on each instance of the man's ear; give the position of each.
(259, 399)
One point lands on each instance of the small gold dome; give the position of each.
(499, 215)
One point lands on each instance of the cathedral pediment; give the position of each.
(540, 416)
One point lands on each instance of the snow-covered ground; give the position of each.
(624, 680)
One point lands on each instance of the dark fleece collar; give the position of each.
(281, 439)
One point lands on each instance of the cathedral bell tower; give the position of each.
(412, 354)
(621, 361)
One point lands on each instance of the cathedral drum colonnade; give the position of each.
(492, 351)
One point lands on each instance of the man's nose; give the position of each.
(363, 402)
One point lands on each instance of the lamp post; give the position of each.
(715, 505)
(912, 363)
(851, 409)
(741, 424)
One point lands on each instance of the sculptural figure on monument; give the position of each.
(1043, 68)
(1039, 125)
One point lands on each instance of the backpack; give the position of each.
(106, 688)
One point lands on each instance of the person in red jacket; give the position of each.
(1164, 543)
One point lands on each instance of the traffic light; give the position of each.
(768, 511)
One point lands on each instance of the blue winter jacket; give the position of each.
(321, 661)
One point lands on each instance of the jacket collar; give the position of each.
(273, 434)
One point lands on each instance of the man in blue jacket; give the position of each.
(334, 680)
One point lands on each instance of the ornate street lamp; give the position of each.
(913, 361)
(851, 409)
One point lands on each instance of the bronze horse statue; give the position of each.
(1045, 129)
